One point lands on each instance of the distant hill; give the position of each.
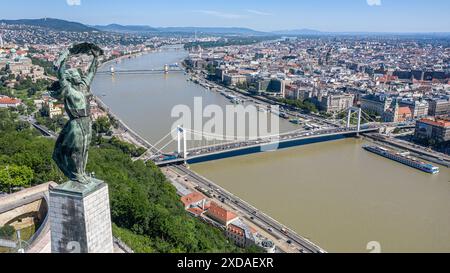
(63, 25)
(51, 23)
(184, 30)
(126, 28)
(303, 31)
(213, 30)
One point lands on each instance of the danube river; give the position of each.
(335, 193)
(144, 101)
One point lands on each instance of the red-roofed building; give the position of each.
(6, 102)
(437, 130)
(115, 53)
(21, 52)
(194, 199)
(96, 113)
(220, 214)
(437, 122)
(227, 58)
(195, 211)
(387, 78)
(241, 234)
(404, 114)
(398, 114)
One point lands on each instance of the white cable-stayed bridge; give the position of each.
(214, 146)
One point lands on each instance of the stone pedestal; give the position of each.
(80, 218)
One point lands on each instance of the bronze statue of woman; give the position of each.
(72, 145)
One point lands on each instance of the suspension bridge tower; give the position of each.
(352, 110)
(181, 135)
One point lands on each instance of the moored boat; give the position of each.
(403, 157)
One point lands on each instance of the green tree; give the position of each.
(243, 85)
(31, 92)
(22, 146)
(114, 121)
(6, 91)
(6, 120)
(211, 69)
(12, 176)
(432, 142)
(125, 147)
(102, 125)
(45, 110)
(22, 125)
(306, 105)
(7, 232)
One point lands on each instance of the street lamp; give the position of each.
(19, 240)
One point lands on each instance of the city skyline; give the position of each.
(210, 137)
(404, 16)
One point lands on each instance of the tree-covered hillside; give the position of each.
(145, 209)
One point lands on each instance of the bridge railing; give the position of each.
(140, 71)
(262, 141)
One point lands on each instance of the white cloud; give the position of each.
(374, 2)
(73, 2)
(258, 12)
(220, 14)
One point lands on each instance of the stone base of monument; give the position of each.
(80, 218)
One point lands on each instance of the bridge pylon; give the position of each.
(181, 134)
(349, 115)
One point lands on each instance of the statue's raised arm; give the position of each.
(92, 69)
(58, 88)
(61, 66)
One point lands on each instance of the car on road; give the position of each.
(270, 229)
(289, 242)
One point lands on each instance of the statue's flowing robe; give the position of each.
(71, 149)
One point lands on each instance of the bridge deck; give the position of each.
(267, 145)
(152, 71)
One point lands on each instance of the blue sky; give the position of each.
(266, 15)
